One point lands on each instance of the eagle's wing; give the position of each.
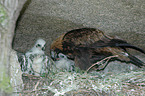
(114, 43)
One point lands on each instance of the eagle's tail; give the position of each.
(136, 61)
(121, 43)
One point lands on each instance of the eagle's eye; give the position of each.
(60, 55)
(38, 45)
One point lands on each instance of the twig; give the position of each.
(101, 61)
(30, 91)
(29, 75)
(36, 85)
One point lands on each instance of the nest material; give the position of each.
(83, 83)
(86, 84)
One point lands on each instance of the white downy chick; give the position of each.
(63, 63)
(35, 59)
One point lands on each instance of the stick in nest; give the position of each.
(106, 63)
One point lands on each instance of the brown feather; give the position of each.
(84, 36)
(88, 45)
(57, 44)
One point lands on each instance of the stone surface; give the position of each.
(47, 19)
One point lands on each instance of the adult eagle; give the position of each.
(88, 45)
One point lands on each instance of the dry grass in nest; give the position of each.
(94, 84)
(86, 84)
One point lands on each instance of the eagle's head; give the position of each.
(38, 48)
(40, 44)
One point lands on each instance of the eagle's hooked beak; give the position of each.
(53, 55)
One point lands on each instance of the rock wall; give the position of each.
(47, 19)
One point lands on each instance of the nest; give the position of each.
(85, 84)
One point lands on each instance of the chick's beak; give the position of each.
(43, 48)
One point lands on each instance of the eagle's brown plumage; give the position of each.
(88, 45)
(57, 44)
